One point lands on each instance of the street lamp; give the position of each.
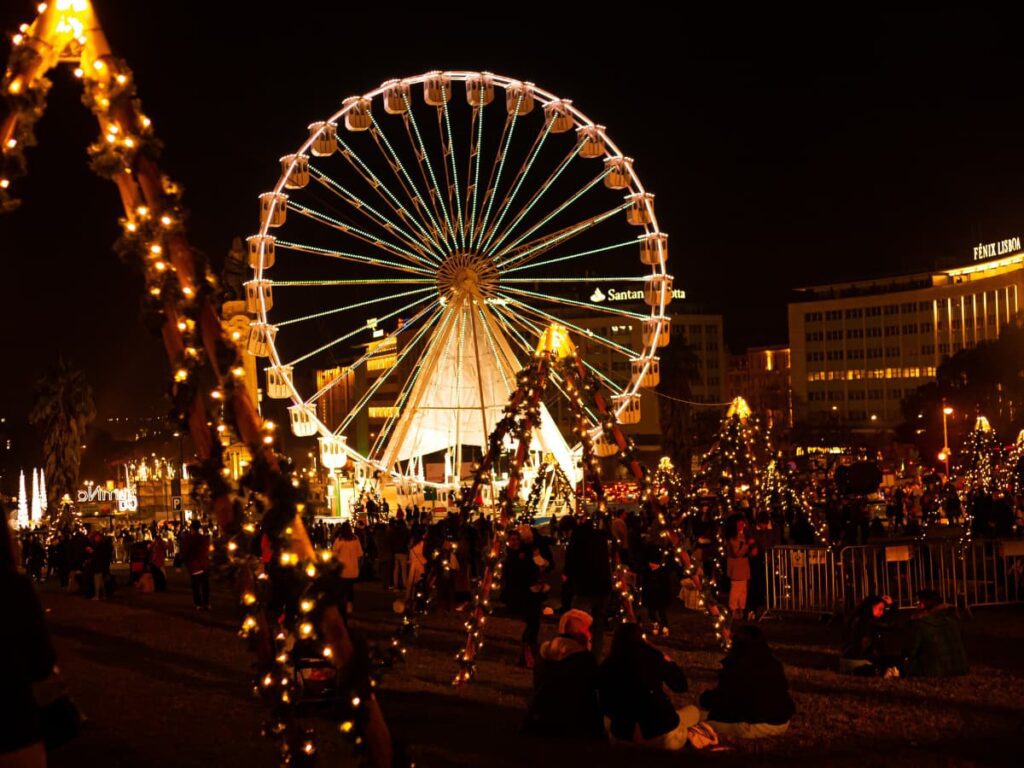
(947, 411)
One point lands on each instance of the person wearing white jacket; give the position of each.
(347, 551)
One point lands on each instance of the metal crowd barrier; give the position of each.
(821, 580)
(802, 580)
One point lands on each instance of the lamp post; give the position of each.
(947, 411)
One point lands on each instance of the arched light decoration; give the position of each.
(302, 419)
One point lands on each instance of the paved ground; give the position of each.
(163, 685)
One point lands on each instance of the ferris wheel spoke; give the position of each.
(476, 137)
(541, 245)
(369, 353)
(580, 279)
(492, 345)
(357, 331)
(358, 234)
(452, 180)
(378, 186)
(408, 185)
(426, 168)
(353, 257)
(568, 202)
(536, 196)
(357, 305)
(494, 181)
(517, 182)
(549, 299)
(372, 390)
(534, 264)
(372, 214)
(587, 332)
(407, 387)
(361, 281)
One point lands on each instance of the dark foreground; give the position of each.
(163, 685)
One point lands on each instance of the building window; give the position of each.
(892, 351)
(892, 309)
(834, 396)
(927, 349)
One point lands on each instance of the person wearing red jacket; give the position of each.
(195, 555)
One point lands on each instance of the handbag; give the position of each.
(59, 716)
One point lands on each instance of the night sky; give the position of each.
(784, 151)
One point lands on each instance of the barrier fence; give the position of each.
(822, 580)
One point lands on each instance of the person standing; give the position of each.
(157, 560)
(347, 551)
(195, 555)
(738, 550)
(102, 553)
(399, 537)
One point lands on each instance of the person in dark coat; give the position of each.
(936, 648)
(28, 658)
(588, 568)
(752, 697)
(656, 589)
(521, 593)
(632, 682)
(867, 638)
(565, 701)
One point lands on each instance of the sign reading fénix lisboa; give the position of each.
(998, 248)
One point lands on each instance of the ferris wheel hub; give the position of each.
(467, 275)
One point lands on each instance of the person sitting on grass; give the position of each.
(935, 648)
(565, 699)
(632, 682)
(752, 698)
(864, 646)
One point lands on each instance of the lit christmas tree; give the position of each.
(782, 500)
(732, 467)
(37, 511)
(23, 518)
(667, 486)
(1013, 477)
(979, 454)
(43, 503)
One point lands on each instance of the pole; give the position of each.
(946, 410)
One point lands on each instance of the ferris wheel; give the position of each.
(414, 248)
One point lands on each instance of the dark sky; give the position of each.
(783, 150)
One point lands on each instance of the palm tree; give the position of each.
(680, 367)
(63, 408)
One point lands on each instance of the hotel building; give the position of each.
(859, 348)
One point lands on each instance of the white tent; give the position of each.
(468, 375)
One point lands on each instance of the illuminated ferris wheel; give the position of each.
(414, 248)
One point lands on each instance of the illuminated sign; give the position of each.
(998, 248)
(126, 499)
(617, 294)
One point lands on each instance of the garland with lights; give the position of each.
(291, 606)
(561, 491)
